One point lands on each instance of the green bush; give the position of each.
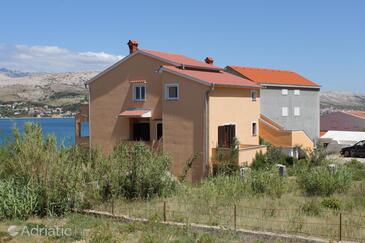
(331, 203)
(226, 160)
(67, 178)
(273, 156)
(322, 182)
(17, 200)
(268, 182)
(357, 169)
(311, 208)
(140, 172)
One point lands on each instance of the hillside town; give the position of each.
(25, 109)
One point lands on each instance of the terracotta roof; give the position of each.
(220, 78)
(272, 76)
(136, 113)
(180, 59)
(360, 114)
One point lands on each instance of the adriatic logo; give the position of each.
(13, 230)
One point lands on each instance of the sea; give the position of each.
(62, 128)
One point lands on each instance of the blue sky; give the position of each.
(322, 40)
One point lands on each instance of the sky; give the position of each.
(323, 40)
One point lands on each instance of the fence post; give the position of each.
(164, 211)
(235, 216)
(113, 206)
(340, 227)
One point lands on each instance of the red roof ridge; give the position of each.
(264, 69)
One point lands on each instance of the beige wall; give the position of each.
(111, 94)
(183, 125)
(233, 106)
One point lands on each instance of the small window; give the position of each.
(172, 91)
(284, 92)
(253, 95)
(284, 111)
(139, 92)
(296, 92)
(254, 129)
(296, 111)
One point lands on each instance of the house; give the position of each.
(190, 106)
(288, 100)
(343, 121)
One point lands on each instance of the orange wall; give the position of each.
(233, 106)
(183, 125)
(111, 94)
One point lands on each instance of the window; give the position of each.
(254, 129)
(284, 111)
(172, 91)
(226, 135)
(296, 92)
(139, 92)
(253, 95)
(296, 111)
(284, 92)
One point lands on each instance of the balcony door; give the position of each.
(141, 131)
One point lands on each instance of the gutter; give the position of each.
(206, 142)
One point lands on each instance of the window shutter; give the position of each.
(221, 136)
(232, 134)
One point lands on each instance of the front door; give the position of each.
(141, 132)
(159, 131)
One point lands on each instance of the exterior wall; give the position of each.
(233, 106)
(247, 155)
(111, 94)
(272, 102)
(340, 121)
(183, 123)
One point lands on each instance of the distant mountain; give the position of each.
(68, 88)
(336, 100)
(13, 73)
(45, 88)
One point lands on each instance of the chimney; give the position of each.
(133, 46)
(209, 60)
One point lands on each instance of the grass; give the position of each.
(90, 229)
(292, 213)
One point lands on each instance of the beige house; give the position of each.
(190, 106)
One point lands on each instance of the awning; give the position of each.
(141, 81)
(144, 113)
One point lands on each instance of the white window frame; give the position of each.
(284, 91)
(252, 93)
(257, 129)
(167, 86)
(284, 111)
(296, 111)
(134, 92)
(296, 91)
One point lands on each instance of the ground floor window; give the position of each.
(226, 135)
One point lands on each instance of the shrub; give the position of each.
(317, 157)
(140, 172)
(268, 182)
(332, 203)
(321, 181)
(273, 156)
(226, 160)
(311, 208)
(357, 169)
(17, 200)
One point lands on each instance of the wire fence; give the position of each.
(329, 224)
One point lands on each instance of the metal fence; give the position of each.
(330, 224)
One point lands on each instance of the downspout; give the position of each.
(206, 111)
(89, 107)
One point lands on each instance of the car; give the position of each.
(356, 150)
